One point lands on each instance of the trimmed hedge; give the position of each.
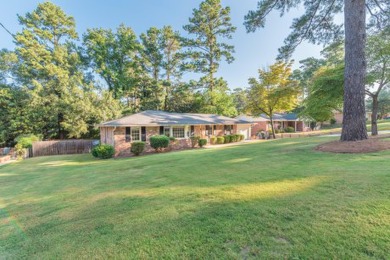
(103, 151)
(158, 142)
(213, 140)
(220, 140)
(137, 148)
(194, 140)
(289, 129)
(228, 139)
(202, 142)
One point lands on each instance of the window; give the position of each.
(127, 135)
(178, 132)
(167, 131)
(209, 130)
(228, 129)
(135, 134)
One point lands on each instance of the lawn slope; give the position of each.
(277, 199)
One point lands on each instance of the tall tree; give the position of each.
(50, 71)
(209, 24)
(115, 57)
(317, 25)
(325, 93)
(162, 59)
(274, 91)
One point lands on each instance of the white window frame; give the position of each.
(179, 127)
(139, 134)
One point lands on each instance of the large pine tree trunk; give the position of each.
(374, 115)
(354, 119)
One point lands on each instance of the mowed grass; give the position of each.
(276, 199)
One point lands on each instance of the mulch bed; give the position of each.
(373, 144)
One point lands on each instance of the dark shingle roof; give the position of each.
(158, 118)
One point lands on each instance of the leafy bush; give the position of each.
(228, 139)
(220, 140)
(158, 142)
(194, 140)
(241, 137)
(103, 151)
(213, 140)
(26, 140)
(333, 121)
(137, 148)
(233, 138)
(289, 129)
(19, 151)
(202, 142)
(172, 139)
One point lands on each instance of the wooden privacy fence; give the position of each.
(43, 148)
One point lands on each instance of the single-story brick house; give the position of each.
(281, 121)
(141, 126)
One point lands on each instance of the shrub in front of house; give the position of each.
(159, 142)
(228, 139)
(242, 137)
(289, 129)
(202, 142)
(332, 121)
(239, 137)
(213, 140)
(194, 140)
(220, 140)
(172, 139)
(137, 148)
(103, 151)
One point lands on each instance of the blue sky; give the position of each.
(253, 51)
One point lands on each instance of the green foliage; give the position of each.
(234, 138)
(332, 121)
(228, 139)
(274, 91)
(220, 140)
(103, 151)
(137, 148)
(26, 141)
(159, 142)
(172, 139)
(20, 151)
(213, 140)
(209, 24)
(194, 140)
(325, 94)
(202, 142)
(289, 129)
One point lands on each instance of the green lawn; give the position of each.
(276, 199)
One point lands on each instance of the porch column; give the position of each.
(295, 126)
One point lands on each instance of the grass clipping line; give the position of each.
(371, 145)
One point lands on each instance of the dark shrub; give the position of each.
(137, 148)
(172, 139)
(289, 129)
(333, 121)
(158, 142)
(241, 137)
(103, 151)
(194, 140)
(233, 138)
(220, 140)
(213, 140)
(228, 139)
(202, 142)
